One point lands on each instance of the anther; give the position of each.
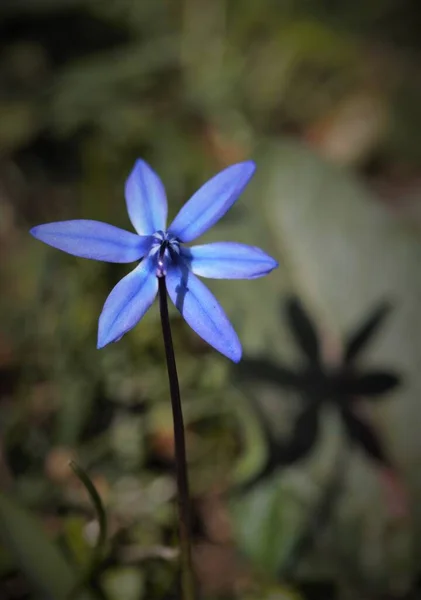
(160, 271)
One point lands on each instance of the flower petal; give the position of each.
(211, 201)
(146, 199)
(93, 239)
(228, 260)
(202, 311)
(128, 302)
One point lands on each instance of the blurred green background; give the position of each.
(326, 97)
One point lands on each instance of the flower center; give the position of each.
(166, 248)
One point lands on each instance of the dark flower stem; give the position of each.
(184, 513)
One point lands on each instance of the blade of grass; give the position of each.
(84, 478)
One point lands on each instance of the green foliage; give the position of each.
(40, 559)
(265, 525)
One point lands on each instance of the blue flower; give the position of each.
(161, 252)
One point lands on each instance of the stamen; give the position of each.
(161, 270)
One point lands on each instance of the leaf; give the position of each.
(35, 554)
(265, 523)
(75, 540)
(346, 252)
(124, 583)
(255, 452)
(98, 506)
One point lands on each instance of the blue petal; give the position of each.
(202, 311)
(228, 260)
(211, 201)
(146, 199)
(93, 239)
(128, 302)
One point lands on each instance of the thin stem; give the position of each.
(187, 575)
